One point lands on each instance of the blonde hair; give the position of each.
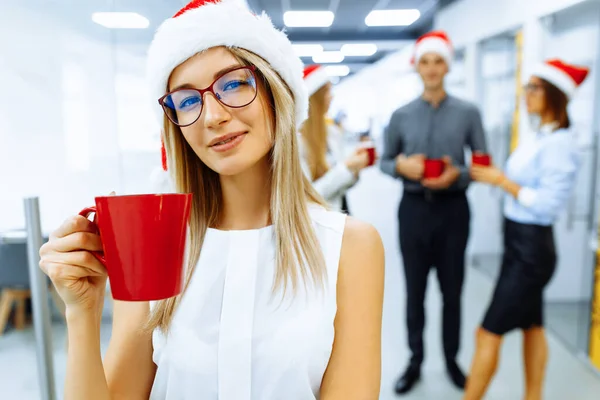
(314, 134)
(298, 253)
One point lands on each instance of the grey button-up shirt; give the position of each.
(420, 128)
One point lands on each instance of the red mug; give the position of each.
(143, 238)
(482, 159)
(371, 152)
(433, 168)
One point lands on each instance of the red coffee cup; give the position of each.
(482, 159)
(433, 168)
(143, 238)
(371, 152)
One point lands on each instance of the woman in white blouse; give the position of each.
(538, 180)
(283, 298)
(321, 148)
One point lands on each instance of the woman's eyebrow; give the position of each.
(215, 76)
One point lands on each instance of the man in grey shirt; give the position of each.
(434, 213)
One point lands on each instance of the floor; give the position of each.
(567, 378)
(570, 321)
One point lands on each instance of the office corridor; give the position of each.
(568, 377)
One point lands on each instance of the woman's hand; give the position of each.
(79, 278)
(490, 175)
(358, 160)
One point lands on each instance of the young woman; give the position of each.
(283, 298)
(321, 146)
(539, 177)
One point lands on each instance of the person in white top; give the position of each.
(283, 298)
(321, 149)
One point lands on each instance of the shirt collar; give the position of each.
(442, 103)
(549, 128)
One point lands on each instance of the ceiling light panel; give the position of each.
(337, 70)
(308, 19)
(328, 57)
(359, 49)
(120, 20)
(392, 17)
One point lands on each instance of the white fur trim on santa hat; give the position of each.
(433, 45)
(556, 77)
(316, 79)
(226, 23)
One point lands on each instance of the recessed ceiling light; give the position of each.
(307, 50)
(392, 17)
(308, 19)
(359, 49)
(328, 57)
(120, 20)
(337, 70)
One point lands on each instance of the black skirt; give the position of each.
(527, 266)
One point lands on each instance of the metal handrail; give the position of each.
(39, 301)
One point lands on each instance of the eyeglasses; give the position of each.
(234, 89)
(532, 87)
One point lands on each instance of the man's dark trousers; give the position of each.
(434, 229)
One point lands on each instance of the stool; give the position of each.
(18, 297)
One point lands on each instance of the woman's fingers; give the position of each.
(83, 260)
(77, 241)
(74, 224)
(58, 272)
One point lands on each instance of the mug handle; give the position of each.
(86, 213)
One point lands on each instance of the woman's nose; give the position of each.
(215, 113)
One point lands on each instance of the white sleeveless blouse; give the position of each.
(231, 338)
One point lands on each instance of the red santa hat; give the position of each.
(315, 77)
(203, 24)
(566, 77)
(436, 42)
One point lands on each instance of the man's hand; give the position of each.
(449, 176)
(411, 167)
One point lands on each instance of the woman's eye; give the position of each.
(189, 102)
(232, 85)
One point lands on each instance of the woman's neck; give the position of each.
(547, 118)
(246, 198)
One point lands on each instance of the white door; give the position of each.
(573, 35)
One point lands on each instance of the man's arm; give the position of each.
(393, 147)
(475, 141)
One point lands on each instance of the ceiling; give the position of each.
(348, 25)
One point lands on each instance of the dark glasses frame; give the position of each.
(533, 87)
(209, 89)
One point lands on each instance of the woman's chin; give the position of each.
(230, 167)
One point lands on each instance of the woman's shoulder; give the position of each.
(360, 236)
(328, 219)
(362, 258)
(348, 226)
(562, 141)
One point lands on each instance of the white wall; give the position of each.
(469, 21)
(580, 24)
(74, 117)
